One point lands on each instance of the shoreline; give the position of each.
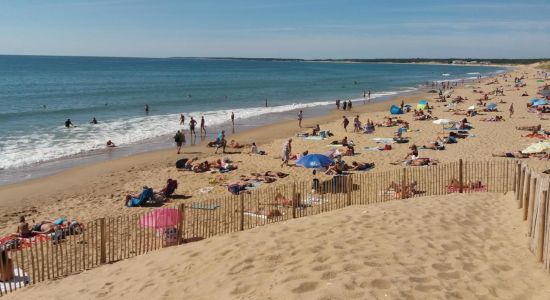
(47, 168)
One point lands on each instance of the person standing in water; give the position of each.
(265, 102)
(68, 123)
(232, 119)
(192, 124)
(344, 105)
(182, 119)
(146, 108)
(203, 128)
(349, 104)
(300, 118)
(369, 96)
(94, 121)
(338, 104)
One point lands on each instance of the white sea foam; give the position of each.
(473, 73)
(48, 144)
(445, 74)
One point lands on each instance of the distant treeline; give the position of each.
(501, 61)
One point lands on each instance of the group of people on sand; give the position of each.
(24, 230)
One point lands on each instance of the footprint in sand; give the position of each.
(328, 275)
(448, 276)
(380, 284)
(305, 287)
(442, 267)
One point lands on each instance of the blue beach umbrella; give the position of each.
(491, 106)
(314, 161)
(424, 102)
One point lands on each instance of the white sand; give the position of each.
(453, 247)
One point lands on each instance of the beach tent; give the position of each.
(396, 110)
(491, 106)
(537, 148)
(314, 161)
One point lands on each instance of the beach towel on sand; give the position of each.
(204, 206)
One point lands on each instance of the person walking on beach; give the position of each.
(338, 104)
(221, 142)
(203, 128)
(179, 138)
(344, 105)
(182, 119)
(511, 110)
(356, 124)
(300, 118)
(232, 119)
(349, 104)
(345, 123)
(146, 108)
(287, 148)
(192, 124)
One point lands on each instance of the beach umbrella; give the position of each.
(443, 121)
(491, 106)
(537, 148)
(314, 161)
(425, 102)
(161, 218)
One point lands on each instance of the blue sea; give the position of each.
(38, 93)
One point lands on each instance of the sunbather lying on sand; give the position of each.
(355, 166)
(469, 185)
(262, 211)
(438, 144)
(537, 135)
(493, 119)
(236, 145)
(517, 154)
(530, 128)
(406, 191)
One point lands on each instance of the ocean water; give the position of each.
(37, 94)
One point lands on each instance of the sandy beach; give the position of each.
(97, 190)
(451, 247)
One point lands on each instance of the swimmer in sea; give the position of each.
(68, 123)
(110, 144)
(94, 121)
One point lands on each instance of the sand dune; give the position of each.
(453, 247)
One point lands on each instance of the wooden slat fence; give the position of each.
(112, 239)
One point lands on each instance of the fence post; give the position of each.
(520, 187)
(102, 247)
(541, 226)
(295, 200)
(350, 187)
(241, 204)
(403, 183)
(526, 187)
(181, 209)
(530, 198)
(460, 175)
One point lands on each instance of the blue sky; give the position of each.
(277, 28)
